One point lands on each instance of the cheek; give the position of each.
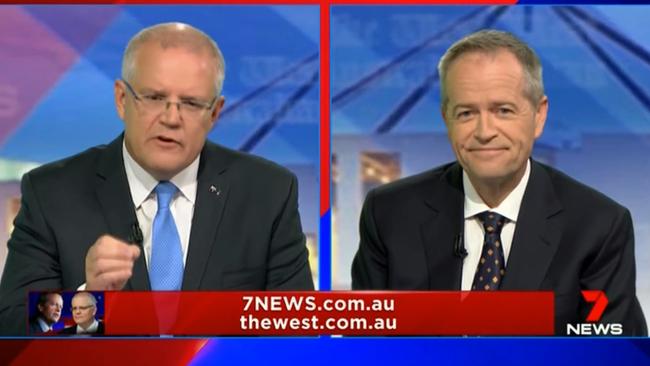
(205, 128)
(527, 137)
(458, 136)
(137, 126)
(198, 134)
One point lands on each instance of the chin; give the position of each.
(486, 173)
(165, 172)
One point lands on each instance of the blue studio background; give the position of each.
(386, 120)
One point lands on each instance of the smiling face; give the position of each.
(166, 142)
(491, 123)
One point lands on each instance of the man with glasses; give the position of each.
(84, 309)
(159, 208)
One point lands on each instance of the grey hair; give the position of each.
(169, 35)
(490, 41)
(88, 295)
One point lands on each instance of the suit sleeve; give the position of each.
(369, 268)
(288, 263)
(614, 271)
(32, 262)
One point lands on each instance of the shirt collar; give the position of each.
(43, 324)
(91, 329)
(141, 183)
(509, 207)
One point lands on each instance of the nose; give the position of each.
(485, 129)
(171, 116)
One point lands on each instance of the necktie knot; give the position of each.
(165, 191)
(492, 222)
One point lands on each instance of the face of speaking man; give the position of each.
(491, 123)
(166, 141)
(83, 310)
(51, 309)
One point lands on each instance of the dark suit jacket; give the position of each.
(246, 233)
(568, 237)
(73, 330)
(34, 326)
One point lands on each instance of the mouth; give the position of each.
(166, 141)
(488, 152)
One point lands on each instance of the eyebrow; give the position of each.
(462, 106)
(151, 91)
(473, 105)
(504, 104)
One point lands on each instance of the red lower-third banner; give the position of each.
(320, 313)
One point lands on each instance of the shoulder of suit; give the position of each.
(246, 164)
(82, 164)
(574, 193)
(414, 184)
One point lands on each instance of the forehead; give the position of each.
(188, 69)
(489, 75)
(81, 299)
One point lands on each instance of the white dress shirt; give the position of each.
(92, 328)
(44, 326)
(474, 232)
(142, 184)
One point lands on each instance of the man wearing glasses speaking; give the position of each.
(84, 309)
(159, 208)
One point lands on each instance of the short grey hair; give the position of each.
(490, 41)
(88, 295)
(169, 35)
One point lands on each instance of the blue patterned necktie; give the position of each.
(166, 267)
(491, 267)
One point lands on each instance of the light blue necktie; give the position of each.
(166, 269)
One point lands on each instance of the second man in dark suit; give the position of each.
(496, 219)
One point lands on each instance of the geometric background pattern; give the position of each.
(385, 102)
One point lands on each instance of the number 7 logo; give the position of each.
(600, 300)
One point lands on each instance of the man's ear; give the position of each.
(443, 114)
(540, 116)
(119, 90)
(218, 107)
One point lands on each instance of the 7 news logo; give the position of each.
(592, 327)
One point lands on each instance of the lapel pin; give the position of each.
(213, 189)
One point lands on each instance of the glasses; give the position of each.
(75, 308)
(157, 104)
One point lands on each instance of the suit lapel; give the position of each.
(537, 233)
(440, 230)
(114, 196)
(211, 197)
